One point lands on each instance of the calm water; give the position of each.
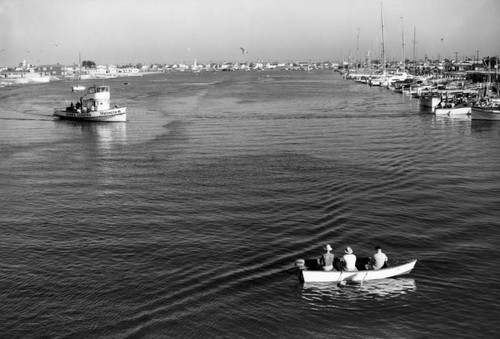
(186, 220)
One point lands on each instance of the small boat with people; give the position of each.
(307, 275)
(93, 106)
(455, 105)
(459, 109)
(362, 269)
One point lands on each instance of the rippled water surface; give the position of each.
(186, 220)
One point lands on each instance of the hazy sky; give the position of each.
(165, 31)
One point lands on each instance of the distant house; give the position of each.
(53, 70)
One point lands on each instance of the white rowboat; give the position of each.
(78, 88)
(453, 110)
(357, 276)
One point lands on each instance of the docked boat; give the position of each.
(93, 106)
(78, 88)
(452, 109)
(485, 113)
(316, 275)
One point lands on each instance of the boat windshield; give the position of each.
(98, 89)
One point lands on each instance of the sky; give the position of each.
(172, 31)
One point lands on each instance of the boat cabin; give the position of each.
(97, 98)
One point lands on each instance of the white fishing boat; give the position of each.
(78, 88)
(306, 275)
(94, 106)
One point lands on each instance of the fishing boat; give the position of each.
(486, 113)
(93, 106)
(316, 275)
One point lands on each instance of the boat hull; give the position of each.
(453, 111)
(108, 115)
(485, 113)
(358, 276)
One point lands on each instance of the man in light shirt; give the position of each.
(349, 260)
(379, 259)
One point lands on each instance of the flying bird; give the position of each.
(442, 39)
(243, 51)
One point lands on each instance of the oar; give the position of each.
(341, 282)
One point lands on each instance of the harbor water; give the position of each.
(186, 220)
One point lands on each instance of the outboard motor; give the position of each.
(300, 264)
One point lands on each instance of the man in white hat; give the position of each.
(349, 260)
(326, 260)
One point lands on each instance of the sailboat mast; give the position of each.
(414, 41)
(79, 65)
(357, 48)
(383, 42)
(403, 42)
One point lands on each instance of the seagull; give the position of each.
(243, 51)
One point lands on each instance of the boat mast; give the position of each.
(79, 65)
(369, 61)
(357, 48)
(489, 77)
(383, 42)
(403, 41)
(414, 41)
(496, 72)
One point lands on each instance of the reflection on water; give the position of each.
(334, 295)
(107, 134)
(102, 141)
(104, 135)
(486, 127)
(459, 122)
